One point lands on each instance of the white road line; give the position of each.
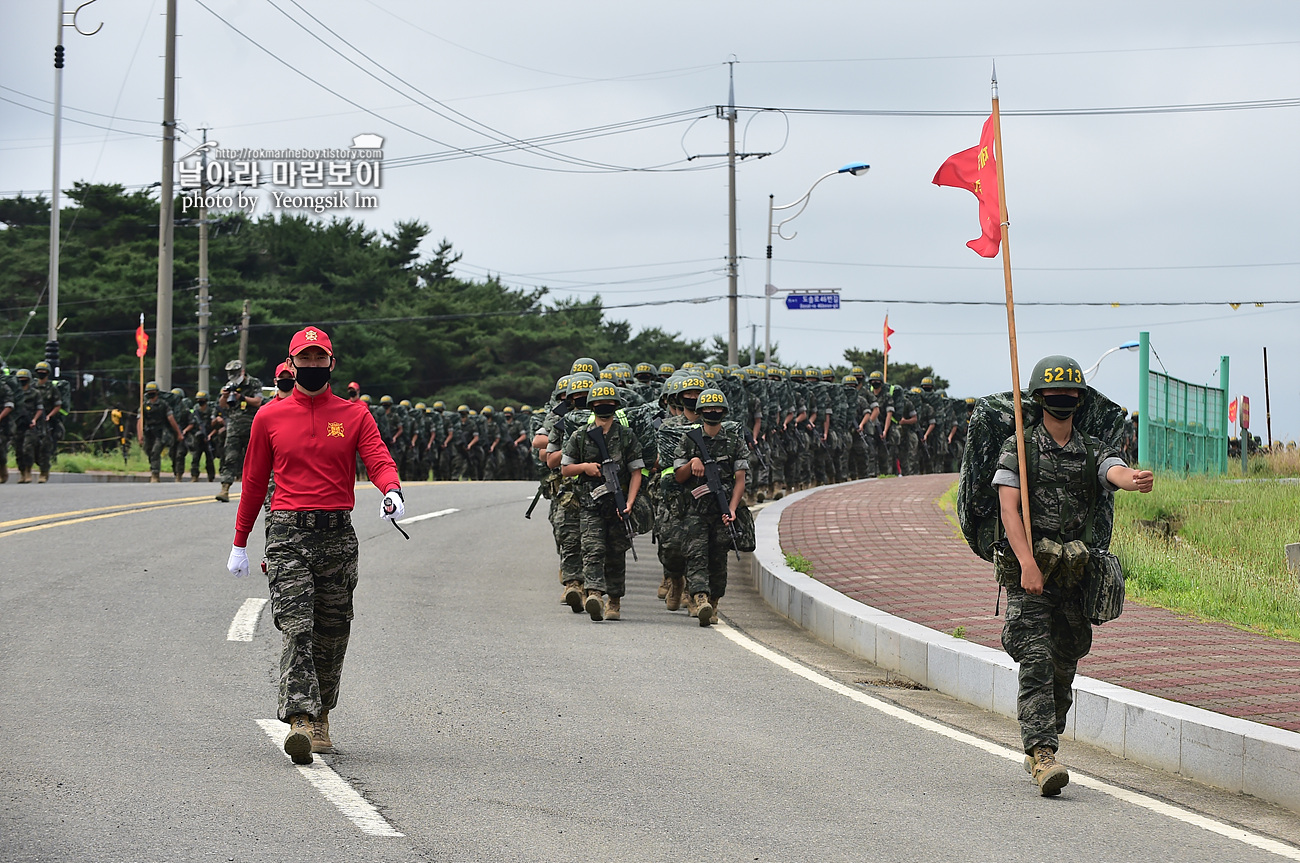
(413, 519)
(245, 622)
(332, 787)
(1176, 812)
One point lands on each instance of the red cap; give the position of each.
(282, 367)
(308, 337)
(353, 385)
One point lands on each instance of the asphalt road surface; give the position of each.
(480, 719)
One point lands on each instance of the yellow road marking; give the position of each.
(98, 517)
(58, 515)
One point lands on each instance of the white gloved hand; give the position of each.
(393, 507)
(238, 562)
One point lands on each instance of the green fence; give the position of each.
(1182, 427)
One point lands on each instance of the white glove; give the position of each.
(394, 507)
(238, 562)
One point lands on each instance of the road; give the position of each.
(482, 720)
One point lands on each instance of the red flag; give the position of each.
(1232, 411)
(141, 340)
(888, 333)
(976, 171)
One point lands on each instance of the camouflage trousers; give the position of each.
(670, 529)
(604, 552)
(1047, 635)
(156, 441)
(232, 463)
(198, 453)
(776, 454)
(888, 451)
(909, 450)
(312, 575)
(862, 456)
(706, 546)
(32, 446)
(566, 527)
(177, 452)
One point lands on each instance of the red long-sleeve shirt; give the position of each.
(312, 443)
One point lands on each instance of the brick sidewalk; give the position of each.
(886, 543)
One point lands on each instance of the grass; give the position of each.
(1284, 463)
(1225, 560)
(798, 562)
(959, 632)
(81, 462)
(948, 503)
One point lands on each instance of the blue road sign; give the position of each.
(812, 301)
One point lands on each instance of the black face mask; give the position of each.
(1060, 406)
(927, 389)
(688, 402)
(285, 384)
(604, 411)
(580, 402)
(40, 376)
(312, 378)
(713, 417)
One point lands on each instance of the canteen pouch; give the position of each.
(1103, 589)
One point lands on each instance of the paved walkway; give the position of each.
(888, 544)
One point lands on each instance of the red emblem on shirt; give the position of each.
(334, 430)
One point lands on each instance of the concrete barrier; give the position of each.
(1234, 754)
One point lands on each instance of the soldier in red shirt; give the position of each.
(311, 440)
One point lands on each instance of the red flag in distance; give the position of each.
(141, 341)
(888, 333)
(1232, 411)
(976, 171)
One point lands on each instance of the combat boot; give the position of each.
(4, 472)
(320, 733)
(224, 495)
(778, 491)
(212, 477)
(612, 608)
(676, 586)
(663, 585)
(703, 608)
(180, 477)
(153, 476)
(595, 605)
(1050, 775)
(297, 745)
(573, 595)
(45, 475)
(24, 476)
(713, 618)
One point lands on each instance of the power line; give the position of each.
(1193, 108)
(1001, 54)
(1048, 269)
(79, 122)
(79, 110)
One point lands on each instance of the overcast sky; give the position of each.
(1175, 207)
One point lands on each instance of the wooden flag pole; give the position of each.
(1011, 316)
(884, 375)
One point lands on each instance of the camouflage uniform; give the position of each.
(706, 540)
(604, 540)
(238, 416)
(1048, 634)
(158, 431)
(197, 440)
(566, 509)
(464, 431)
(905, 446)
(7, 406)
(38, 445)
(312, 575)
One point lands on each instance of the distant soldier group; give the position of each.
(31, 419)
(429, 440)
(679, 453)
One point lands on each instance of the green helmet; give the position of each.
(608, 374)
(487, 410)
(561, 387)
(462, 409)
(24, 374)
(151, 387)
(858, 372)
(604, 392)
(508, 411)
(419, 406)
(580, 383)
(1057, 372)
(586, 365)
(796, 374)
(828, 374)
(200, 396)
(692, 382)
(366, 398)
(666, 369)
(177, 391)
(526, 409)
(647, 369)
(43, 366)
(849, 380)
(406, 403)
(712, 399)
(440, 405)
(876, 376)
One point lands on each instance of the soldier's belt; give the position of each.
(320, 519)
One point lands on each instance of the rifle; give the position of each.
(533, 505)
(713, 480)
(753, 447)
(609, 473)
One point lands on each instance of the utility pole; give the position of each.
(52, 329)
(732, 268)
(204, 361)
(166, 225)
(243, 336)
(753, 344)
(1268, 410)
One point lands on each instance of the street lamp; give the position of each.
(853, 168)
(1127, 346)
